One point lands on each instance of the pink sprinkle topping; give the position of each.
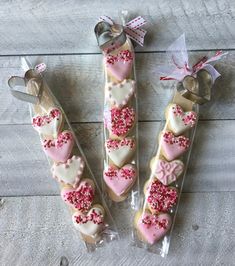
(151, 220)
(189, 118)
(62, 139)
(94, 217)
(125, 172)
(120, 121)
(39, 121)
(113, 144)
(161, 198)
(124, 55)
(81, 198)
(169, 137)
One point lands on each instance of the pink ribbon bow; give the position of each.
(178, 66)
(132, 28)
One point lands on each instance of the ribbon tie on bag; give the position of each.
(132, 28)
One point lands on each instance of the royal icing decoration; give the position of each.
(69, 172)
(48, 124)
(180, 121)
(91, 223)
(120, 93)
(174, 146)
(119, 121)
(120, 151)
(168, 172)
(119, 180)
(120, 65)
(80, 198)
(59, 149)
(154, 227)
(161, 198)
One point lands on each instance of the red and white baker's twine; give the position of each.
(132, 28)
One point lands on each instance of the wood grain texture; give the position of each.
(25, 171)
(67, 26)
(38, 231)
(77, 82)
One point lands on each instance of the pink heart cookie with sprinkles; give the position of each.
(161, 198)
(180, 121)
(48, 124)
(120, 65)
(69, 172)
(80, 198)
(120, 93)
(119, 121)
(153, 227)
(167, 172)
(120, 151)
(172, 146)
(89, 224)
(120, 180)
(59, 149)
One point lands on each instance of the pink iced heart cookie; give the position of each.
(80, 198)
(167, 172)
(180, 121)
(69, 172)
(119, 121)
(120, 180)
(120, 65)
(153, 227)
(59, 149)
(48, 124)
(120, 151)
(161, 198)
(173, 146)
(120, 93)
(91, 223)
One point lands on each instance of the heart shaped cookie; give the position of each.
(172, 146)
(59, 149)
(80, 198)
(160, 198)
(119, 121)
(89, 224)
(120, 151)
(120, 180)
(48, 124)
(167, 172)
(178, 120)
(153, 227)
(120, 93)
(69, 172)
(120, 65)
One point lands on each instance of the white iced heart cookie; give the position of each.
(180, 121)
(120, 93)
(69, 172)
(48, 124)
(120, 151)
(91, 223)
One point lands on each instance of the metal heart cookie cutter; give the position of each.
(33, 79)
(196, 89)
(109, 37)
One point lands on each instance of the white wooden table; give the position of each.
(35, 226)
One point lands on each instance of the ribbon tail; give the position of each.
(137, 35)
(136, 23)
(106, 19)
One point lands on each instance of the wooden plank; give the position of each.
(38, 231)
(67, 27)
(77, 81)
(25, 171)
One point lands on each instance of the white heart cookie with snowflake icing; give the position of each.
(69, 172)
(48, 124)
(120, 93)
(180, 121)
(91, 223)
